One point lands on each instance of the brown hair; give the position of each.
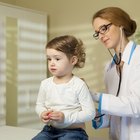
(70, 46)
(118, 17)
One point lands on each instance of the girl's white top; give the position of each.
(72, 98)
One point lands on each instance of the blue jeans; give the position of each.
(51, 133)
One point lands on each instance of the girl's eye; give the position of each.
(49, 59)
(57, 59)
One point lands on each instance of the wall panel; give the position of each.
(22, 64)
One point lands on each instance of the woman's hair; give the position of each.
(70, 46)
(118, 17)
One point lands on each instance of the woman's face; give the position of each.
(109, 34)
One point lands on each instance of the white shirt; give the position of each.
(124, 109)
(72, 98)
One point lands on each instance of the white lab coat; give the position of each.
(124, 110)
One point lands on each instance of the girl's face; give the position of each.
(109, 34)
(58, 63)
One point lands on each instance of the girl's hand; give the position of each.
(45, 116)
(56, 116)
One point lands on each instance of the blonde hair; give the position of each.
(118, 17)
(70, 46)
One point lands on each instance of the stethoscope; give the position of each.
(117, 61)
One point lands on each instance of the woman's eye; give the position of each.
(103, 29)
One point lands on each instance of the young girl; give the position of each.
(113, 27)
(64, 102)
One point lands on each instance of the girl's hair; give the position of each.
(70, 46)
(118, 17)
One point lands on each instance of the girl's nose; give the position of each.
(52, 63)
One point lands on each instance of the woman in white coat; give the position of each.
(120, 108)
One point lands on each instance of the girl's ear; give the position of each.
(74, 60)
